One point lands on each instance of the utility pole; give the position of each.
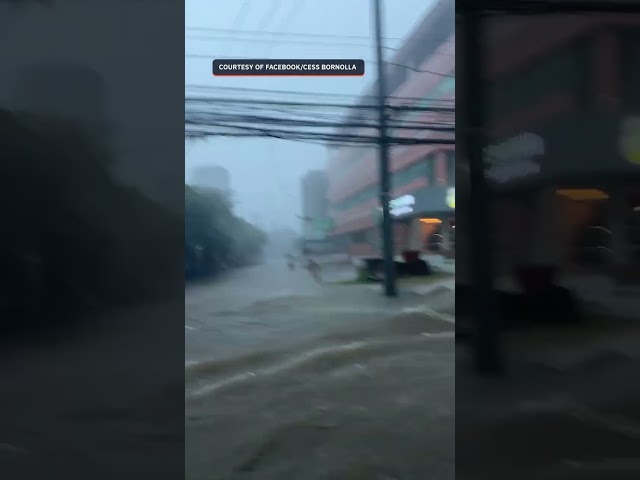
(488, 356)
(390, 289)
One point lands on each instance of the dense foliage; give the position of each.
(215, 239)
(74, 239)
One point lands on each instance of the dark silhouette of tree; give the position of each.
(73, 239)
(215, 239)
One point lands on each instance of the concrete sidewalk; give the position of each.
(446, 284)
(440, 263)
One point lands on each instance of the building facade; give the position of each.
(563, 155)
(421, 74)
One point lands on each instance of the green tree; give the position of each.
(215, 239)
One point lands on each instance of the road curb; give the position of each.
(424, 290)
(437, 287)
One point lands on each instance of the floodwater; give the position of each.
(287, 378)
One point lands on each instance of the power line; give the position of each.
(254, 120)
(313, 121)
(204, 110)
(331, 143)
(442, 119)
(312, 105)
(290, 92)
(311, 137)
(268, 48)
(285, 20)
(258, 123)
(287, 34)
(334, 126)
(286, 41)
(418, 70)
(241, 15)
(276, 33)
(266, 20)
(308, 112)
(289, 16)
(290, 42)
(291, 134)
(241, 112)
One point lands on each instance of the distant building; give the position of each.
(212, 176)
(315, 206)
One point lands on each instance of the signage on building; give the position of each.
(323, 225)
(451, 197)
(402, 205)
(629, 142)
(515, 158)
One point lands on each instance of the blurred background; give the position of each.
(91, 255)
(546, 281)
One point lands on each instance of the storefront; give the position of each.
(568, 195)
(425, 221)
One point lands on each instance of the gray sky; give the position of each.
(265, 174)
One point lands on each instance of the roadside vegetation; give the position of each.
(73, 238)
(215, 239)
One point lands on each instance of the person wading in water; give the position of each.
(314, 270)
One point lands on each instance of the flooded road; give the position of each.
(287, 378)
